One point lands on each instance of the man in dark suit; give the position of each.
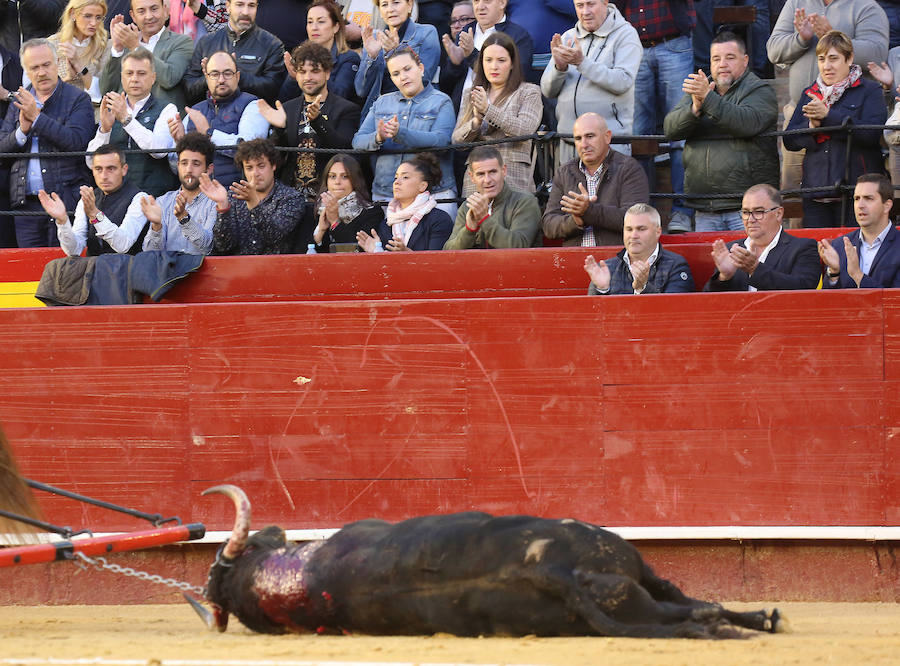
(768, 258)
(868, 258)
(316, 119)
(171, 52)
(50, 116)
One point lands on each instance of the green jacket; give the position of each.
(515, 221)
(722, 166)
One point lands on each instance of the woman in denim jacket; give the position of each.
(415, 116)
(370, 80)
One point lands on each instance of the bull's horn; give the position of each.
(204, 613)
(241, 529)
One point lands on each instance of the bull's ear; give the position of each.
(205, 614)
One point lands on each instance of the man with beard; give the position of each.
(228, 117)
(259, 54)
(735, 103)
(316, 119)
(260, 214)
(182, 220)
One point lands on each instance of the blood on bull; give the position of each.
(467, 574)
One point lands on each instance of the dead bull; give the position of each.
(467, 574)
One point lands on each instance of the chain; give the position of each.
(100, 564)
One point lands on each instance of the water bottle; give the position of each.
(311, 249)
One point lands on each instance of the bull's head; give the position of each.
(216, 585)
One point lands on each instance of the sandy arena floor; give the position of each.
(168, 635)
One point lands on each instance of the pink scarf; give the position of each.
(182, 19)
(404, 220)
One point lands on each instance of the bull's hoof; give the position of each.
(779, 623)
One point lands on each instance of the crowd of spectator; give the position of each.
(216, 126)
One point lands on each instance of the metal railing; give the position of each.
(545, 144)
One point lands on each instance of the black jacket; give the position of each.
(260, 57)
(11, 78)
(25, 19)
(430, 233)
(335, 126)
(792, 264)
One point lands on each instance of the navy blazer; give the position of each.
(430, 233)
(66, 123)
(885, 268)
(455, 75)
(825, 162)
(792, 264)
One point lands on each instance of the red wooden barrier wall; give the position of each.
(703, 409)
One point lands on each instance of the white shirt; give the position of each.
(765, 253)
(479, 37)
(159, 137)
(650, 261)
(150, 44)
(73, 238)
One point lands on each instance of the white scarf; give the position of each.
(403, 221)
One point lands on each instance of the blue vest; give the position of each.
(224, 115)
(149, 174)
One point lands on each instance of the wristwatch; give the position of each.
(127, 120)
(185, 219)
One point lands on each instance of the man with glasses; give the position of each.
(768, 258)
(462, 15)
(259, 54)
(228, 117)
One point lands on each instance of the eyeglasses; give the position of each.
(462, 20)
(227, 75)
(757, 214)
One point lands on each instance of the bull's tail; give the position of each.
(15, 497)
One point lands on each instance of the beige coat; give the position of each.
(519, 114)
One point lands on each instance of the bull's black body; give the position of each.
(467, 574)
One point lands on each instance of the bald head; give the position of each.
(222, 75)
(592, 138)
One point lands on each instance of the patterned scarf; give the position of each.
(348, 209)
(831, 94)
(404, 220)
